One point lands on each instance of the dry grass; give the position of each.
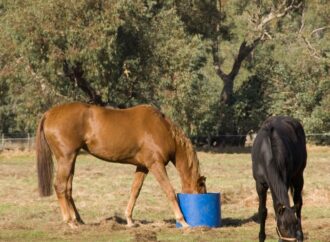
(101, 191)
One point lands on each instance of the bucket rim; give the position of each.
(199, 194)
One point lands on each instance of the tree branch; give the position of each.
(76, 75)
(302, 21)
(319, 29)
(313, 52)
(280, 12)
(311, 49)
(244, 51)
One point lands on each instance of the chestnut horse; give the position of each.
(141, 136)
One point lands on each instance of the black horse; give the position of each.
(278, 160)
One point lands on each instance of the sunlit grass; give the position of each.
(101, 191)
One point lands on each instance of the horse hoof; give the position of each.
(184, 225)
(73, 224)
(132, 225)
(80, 222)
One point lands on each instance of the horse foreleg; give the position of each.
(159, 171)
(298, 202)
(139, 177)
(297, 197)
(262, 211)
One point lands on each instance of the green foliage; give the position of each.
(123, 53)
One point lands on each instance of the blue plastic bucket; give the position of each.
(200, 209)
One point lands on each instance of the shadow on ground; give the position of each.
(225, 222)
(236, 222)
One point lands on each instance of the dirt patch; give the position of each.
(145, 236)
(115, 223)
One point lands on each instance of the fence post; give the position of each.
(29, 142)
(2, 141)
(209, 141)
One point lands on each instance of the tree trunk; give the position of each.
(76, 75)
(226, 96)
(226, 112)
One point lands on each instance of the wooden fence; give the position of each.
(28, 142)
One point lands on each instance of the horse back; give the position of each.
(280, 145)
(122, 135)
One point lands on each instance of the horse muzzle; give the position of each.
(285, 239)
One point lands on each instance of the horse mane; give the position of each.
(182, 140)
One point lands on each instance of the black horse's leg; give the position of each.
(298, 202)
(297, 197)
(262, 211)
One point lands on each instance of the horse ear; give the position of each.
(280, 209)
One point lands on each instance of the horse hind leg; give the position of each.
(262, 211)
(159, 171)
(64, 171)
(140, 174)
(72, 207)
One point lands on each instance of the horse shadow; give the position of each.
(237, 222)
(225, 222)
(120, 221)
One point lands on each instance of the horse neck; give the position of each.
(278, 169)
(280, 193)
(186, 161)
(187, 164)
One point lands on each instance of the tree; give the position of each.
(297, 73)
(102, 52)
(208, 19)
(215, 67)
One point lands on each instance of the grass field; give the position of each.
(101, 191)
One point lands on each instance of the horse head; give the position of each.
(195, 186)
(288, 225)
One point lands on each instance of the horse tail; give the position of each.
(45, 165)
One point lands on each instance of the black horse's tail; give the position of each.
(45, 165)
